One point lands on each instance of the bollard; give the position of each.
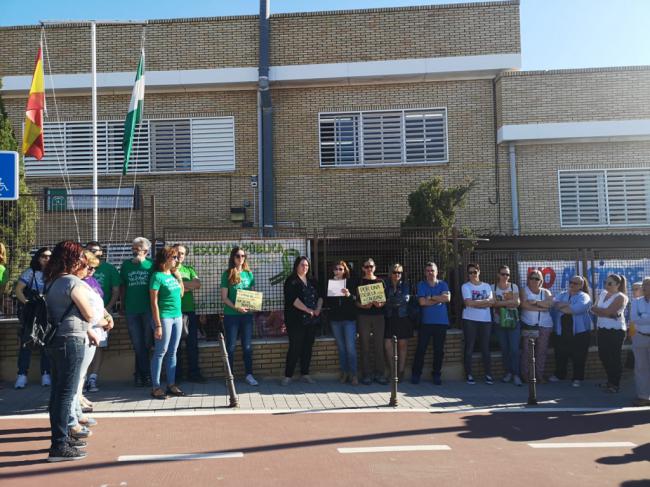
(532, 379)
(230, 379)
(394, 377)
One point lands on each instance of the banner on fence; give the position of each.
(271, 261)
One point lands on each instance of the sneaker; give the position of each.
(250, 380)
(517, 381)
(285, 381)
(437, 381)
(576, 383)
(82, 433)
(489, 380)
(65, 454)
(46, 380)
(88, 422)
(307, 379)
(507, 378)
(91, 385)
(470, 379)
(366, 381)
(554, 378)
(74, 443)
(21, 381)
(415, 379)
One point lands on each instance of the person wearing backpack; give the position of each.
(506, 319)
(30, 283)
(70, 311)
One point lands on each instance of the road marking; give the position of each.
(591, 444)
(179, 456)
(377, 449)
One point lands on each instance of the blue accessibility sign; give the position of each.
(8, 175)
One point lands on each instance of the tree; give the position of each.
(17, 218)
(433, 206)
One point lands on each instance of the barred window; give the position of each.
(389, 137)
(176, 145)
(607, 197)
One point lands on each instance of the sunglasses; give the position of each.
(339, 269)
(175, 257)
(398, 272)
(471, 273)
(611, 283)
(240, 256)
(534, 278)
(91, 268)
(577, 283)
(370, 266)
(45, 256)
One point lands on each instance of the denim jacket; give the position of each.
(580, 306)
(397, 300)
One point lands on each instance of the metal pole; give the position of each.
(230, 379)
(93, 46)
(394, 378)
(514, 196)
(532, 375)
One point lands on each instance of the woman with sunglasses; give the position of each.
(573, 330)
(30, 283)
(165, 293)
(610, 310)
(536, 302)
(238, 320)
(302, 307)
(398, 323)
(477, 321)
(371, 321)
(506, 319)
(343, 321)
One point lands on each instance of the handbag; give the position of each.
(508, 318)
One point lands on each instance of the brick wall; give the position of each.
(302, 38)
(537, 167)
(268, 358)
(574, 95)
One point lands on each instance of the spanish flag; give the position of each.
(33, 131)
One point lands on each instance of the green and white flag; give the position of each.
(135, 113)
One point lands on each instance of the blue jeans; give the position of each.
(509, 340)
(25, 357)
(140, 325)
(345, 333)
(244, 325)
(167, 345)
(66, 355)
(75, 407)
(192, 344)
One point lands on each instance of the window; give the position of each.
(60, 199)
(178, 145)
(607, 197)
(387, 137)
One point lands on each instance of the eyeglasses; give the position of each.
(534, 278)
(240, 256)
(505, 274)
(471, 273)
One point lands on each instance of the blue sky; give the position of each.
(555, 34)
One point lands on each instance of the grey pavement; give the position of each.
(327, 395)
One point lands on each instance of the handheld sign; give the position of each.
(8, 175)
(252, 300)
(372, 292)
(335, 287)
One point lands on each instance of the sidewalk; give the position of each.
(327, 395)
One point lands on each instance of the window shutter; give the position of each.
(339, 139)
(425, 134)
(582, 198)
(213, 144)
(171, 145)
(382, 138)
(627, 193)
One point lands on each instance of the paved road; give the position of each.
(486, 449)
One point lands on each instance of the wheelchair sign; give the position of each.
(8, 175)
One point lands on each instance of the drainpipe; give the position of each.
(513, 189)
(267, 210)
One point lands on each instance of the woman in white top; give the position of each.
(506, 319)
(535, 304)
(477, 320)
(610, 310)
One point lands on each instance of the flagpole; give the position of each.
(93, 45)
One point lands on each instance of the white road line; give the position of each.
(180, 456)
(591, 444)
(378, 449)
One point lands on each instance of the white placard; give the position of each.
(335, 287)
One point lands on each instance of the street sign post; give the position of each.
(8, 175)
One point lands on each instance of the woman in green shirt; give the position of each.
(238, 276)
(166, 290)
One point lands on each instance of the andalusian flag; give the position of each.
(33, 131)
(135, 113)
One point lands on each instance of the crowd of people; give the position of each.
(156, 297)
